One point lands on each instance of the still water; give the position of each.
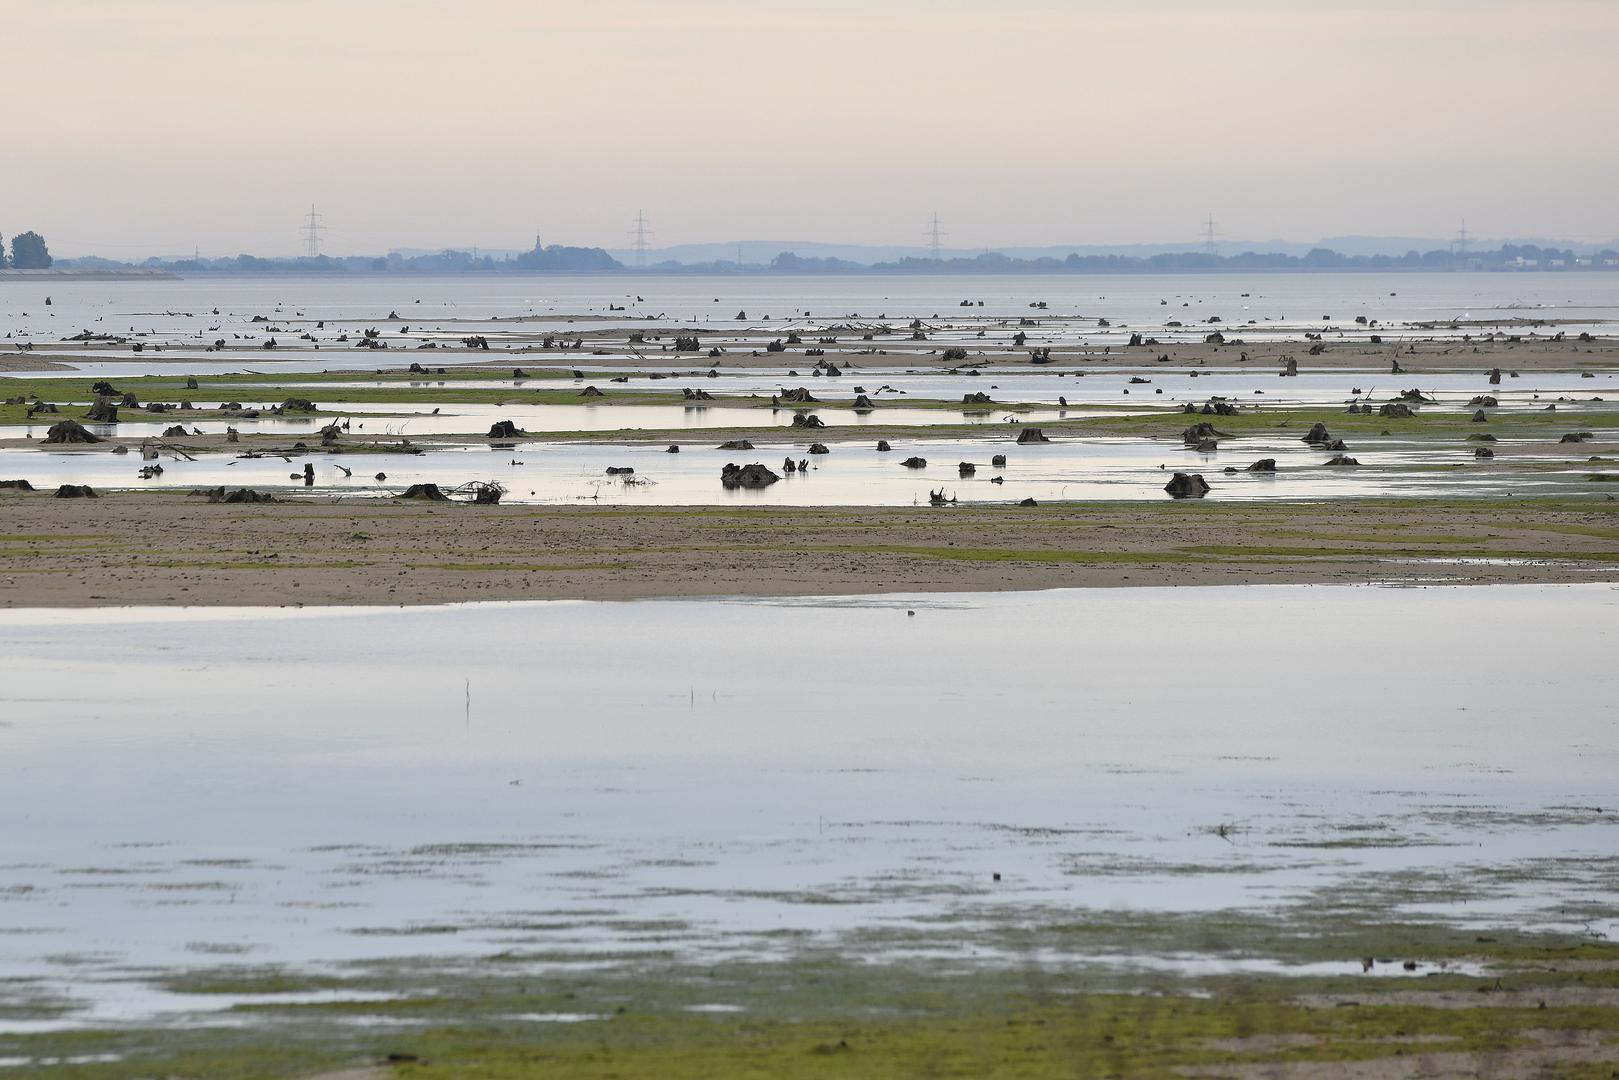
(856, 473)
(1301, 298)
(184, 789)
(181, 314)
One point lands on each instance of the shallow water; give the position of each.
(888, 387)
(1283, 305)
(1092, 394)
(187, 789)
(400, 418)
(852, 474)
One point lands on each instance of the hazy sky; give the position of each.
(142, 126)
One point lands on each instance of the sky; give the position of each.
(138, 127)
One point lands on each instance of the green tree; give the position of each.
(28, 252)
(2, 251)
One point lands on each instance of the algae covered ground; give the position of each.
(1495, 1004)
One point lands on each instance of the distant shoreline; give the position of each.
(708, 272)
(122, 274)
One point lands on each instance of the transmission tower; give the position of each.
(312, 230)
(1210, 238)
(1462, 239)
(934, 237)
(639, 232)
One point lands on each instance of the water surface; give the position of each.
(855, 473)
(583, 782)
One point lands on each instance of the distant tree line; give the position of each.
(28, 252)
(556, 258)
(1507, 257)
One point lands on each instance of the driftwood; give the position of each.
(1187, 486)
(747, 476)
(69, 431)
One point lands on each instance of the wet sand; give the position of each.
(173, 549)
(27, 361)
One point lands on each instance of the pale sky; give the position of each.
(135, 127)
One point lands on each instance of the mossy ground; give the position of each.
(833, 1015)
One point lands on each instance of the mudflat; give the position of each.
(174, 548)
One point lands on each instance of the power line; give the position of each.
(934, 236)
(639, 232)
(312, 231)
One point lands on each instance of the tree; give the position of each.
(28, 252)
(2, 252)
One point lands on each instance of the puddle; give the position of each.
(112, 1004)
